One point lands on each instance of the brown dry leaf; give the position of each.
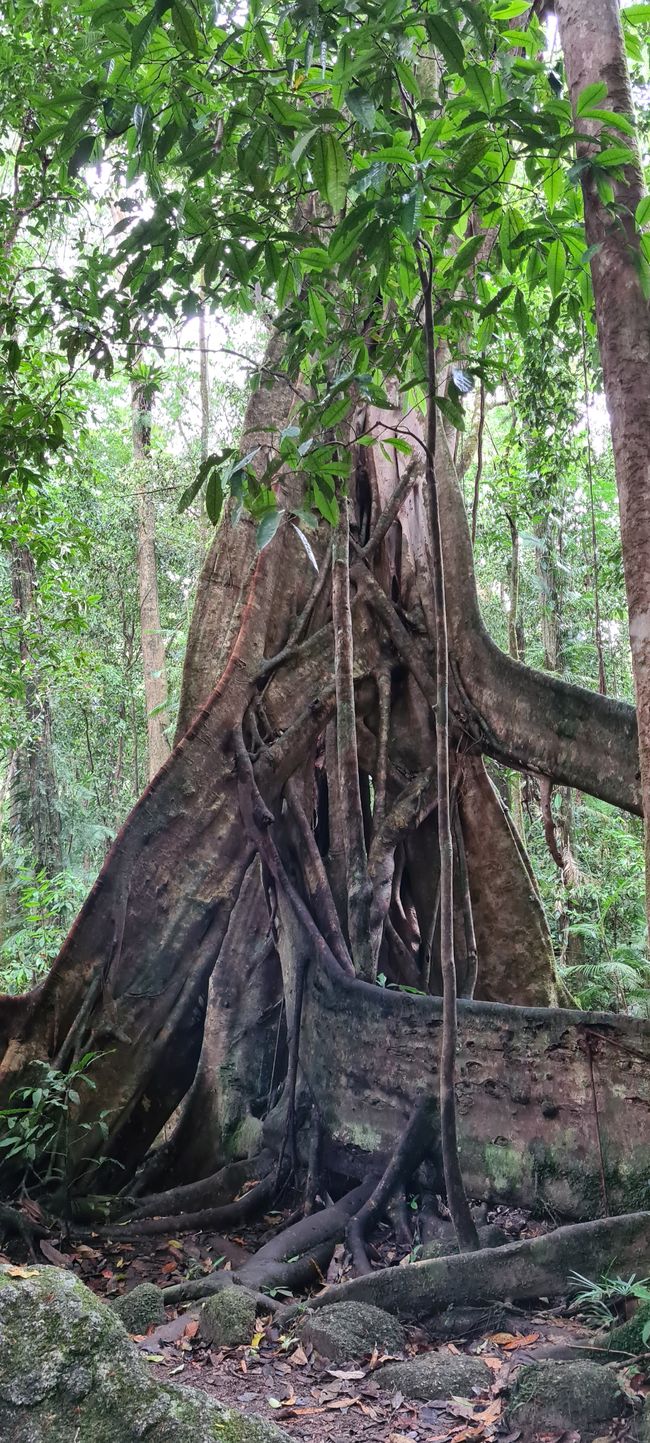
(490, 1414)
(22, 1272)
(191, 1328)
(495, 1364)
(501, 1340)
(298, 1358)
(451, 1348)
(169, 1267)
(520, 1340)
(53, 1255)
(400, 1438)
(353, 1373)
(369, 1412)
(343, 1402)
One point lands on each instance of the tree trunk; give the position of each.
(35, 816)
(151, 637)
(594, 50)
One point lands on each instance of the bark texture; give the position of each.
(594, 50)
(154, 665)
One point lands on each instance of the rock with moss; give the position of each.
(435, 1375)
(550, 1397)
(628, 1338)
(489, 1236)
(345, 1332)
(142, 1308)
(228, 1318)
(69, 1374)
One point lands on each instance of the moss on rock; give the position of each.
(69, 1374)
(141, 1308)
(550, 1396)
(347, 1331)
(435, 1375)
(628, 1338)
(228, 1318)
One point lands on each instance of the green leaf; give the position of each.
(554, 184)
(317, 312)
(520, 313)
(362, 107)
(556, 266)
(447, 41)
(637, 14)
(479, 80)
(642, 213)
(267, 526)
(511, 226)
(330, 169)
(214, 497)
(302, 144)
(183, 23)
(610, 118)
(336, 411)
(409, 215)
(615, 155)
(591, 95)
(142, 34)
(511, 10)
(327, 505)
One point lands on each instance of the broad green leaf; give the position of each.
(554, 184)
(511, 226)
(409, 215)
(142, 34)
(317, 312)
(510, 10)
(637, 14)
(610, 118)
(183, 22)
(330, 168)
(447, 41)
(478, 79)
(267, 526)
(362, 107)
(591, 95)
(214, 497)
(520, 313)
(642, 213)
(327, 505)
(337, 411)
(556, 266)
(302, 144)
(615, 155)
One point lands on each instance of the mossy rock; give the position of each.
(435, 1375)
(489, 1236)
(553, 1397)
(628, 1338)
(345, 1332)
(141, 1308)
(228, 1318)
(69, 1374)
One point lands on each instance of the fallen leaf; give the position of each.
(169, 1267)
(153, 1357)
(256, 1339)
(343, 1402)
(520, 1341)
(495, 1364)
(53, 1255)
(400, 1438)
(501, 1339)
(451, 1348)
(191, 1328)
(22, 1272)
(340, 1372)
(298, 1358)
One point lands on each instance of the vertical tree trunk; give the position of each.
(594, 50)
(35, 813)
(153, 647)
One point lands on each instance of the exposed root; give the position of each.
(534, 1268)
(213, 1191)
(233, 1214)
(421, 1136)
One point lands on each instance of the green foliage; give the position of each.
(601, 1303)
(38, 1131)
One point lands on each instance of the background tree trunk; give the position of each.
(151, 637)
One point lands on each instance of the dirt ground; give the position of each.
(276, 1378)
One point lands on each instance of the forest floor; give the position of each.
(277, 1378)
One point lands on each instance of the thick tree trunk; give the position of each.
(594, 50)
(154, 665)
